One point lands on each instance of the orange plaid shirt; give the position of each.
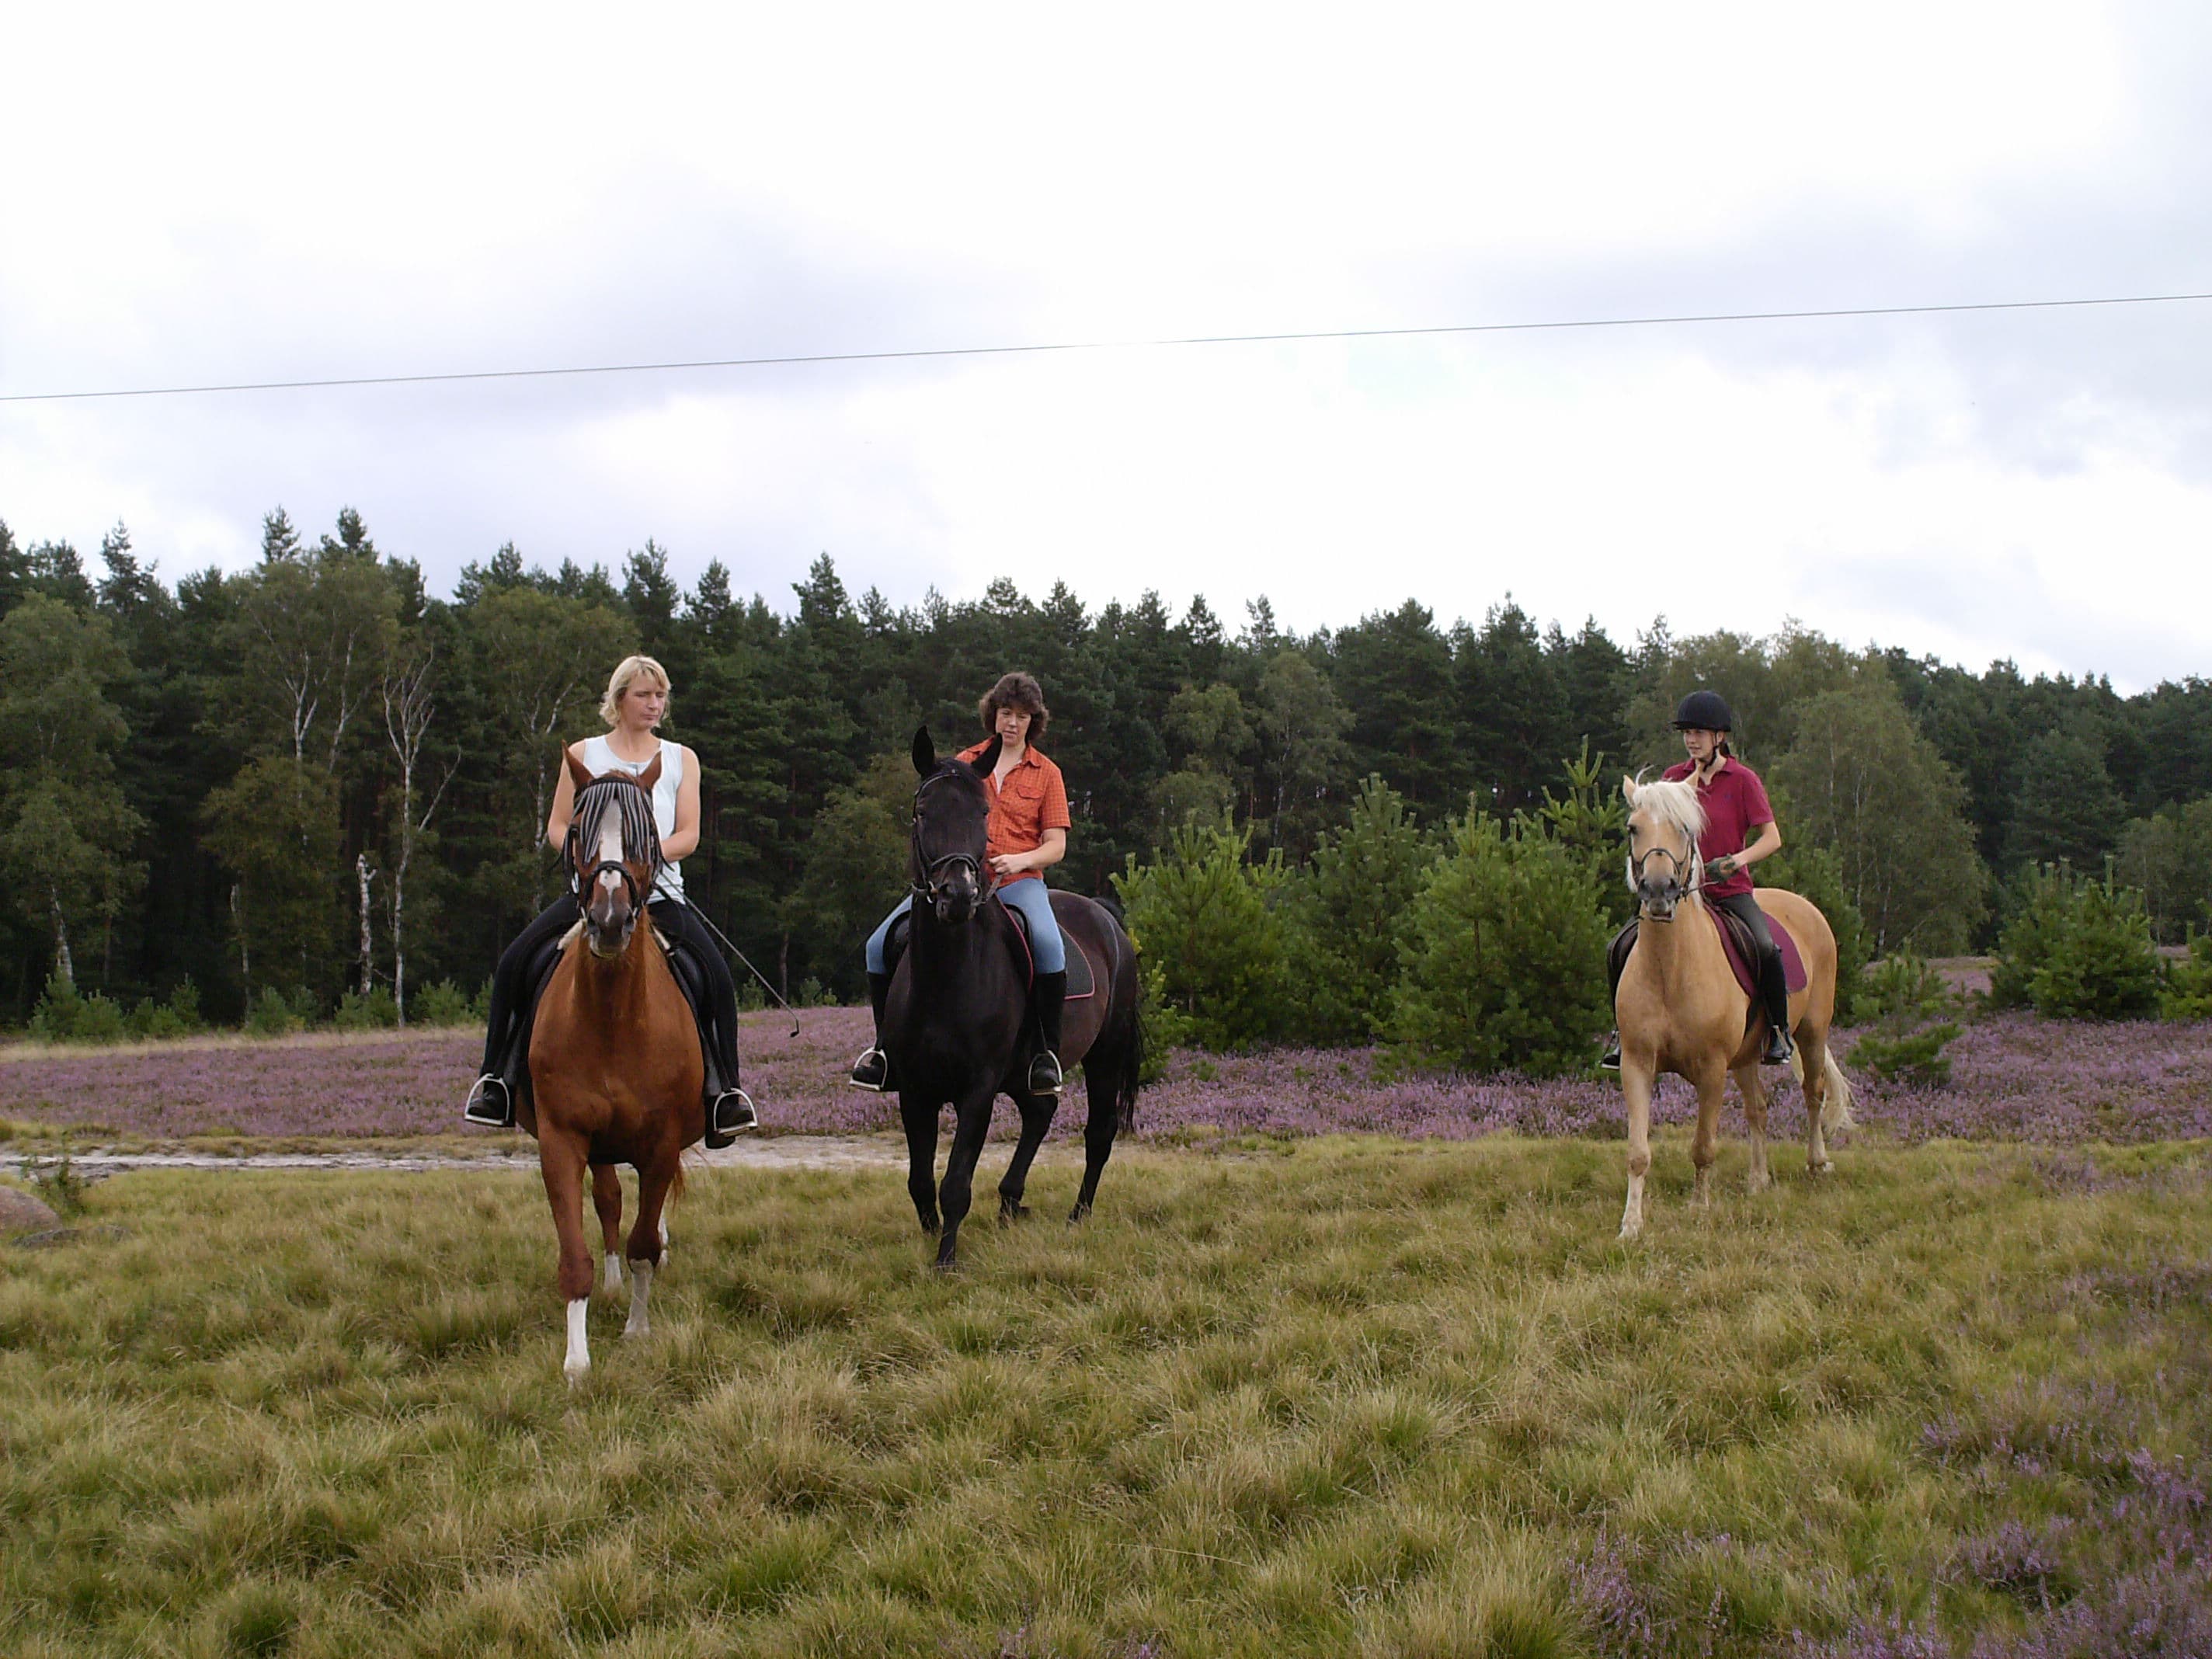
(1032, 800)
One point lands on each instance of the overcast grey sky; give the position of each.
(227, 193)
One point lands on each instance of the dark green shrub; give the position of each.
(1816, 874)
(1505, 955)
(178, 1017)
(66, 1015)
(1903, 987)
(1348, 914)
(376, 1012)
(1590, 822)
(2078, 948)
(271, 1015)
(442, 1004)
(2188, 993)
(1901, 1052)
(1206, 918)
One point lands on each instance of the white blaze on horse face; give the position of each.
(579, 1345)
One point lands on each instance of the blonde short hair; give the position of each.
(628, 669)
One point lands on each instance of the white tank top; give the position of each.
(601, 758)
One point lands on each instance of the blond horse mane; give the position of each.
(1675, 805)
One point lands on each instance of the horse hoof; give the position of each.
(629, 1331)
(1824, 1167)
(1078, 1213)
(1010, 1213)
(931, 1226)
(575, 1373)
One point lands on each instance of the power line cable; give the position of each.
(1095, 345)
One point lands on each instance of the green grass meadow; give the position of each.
(1339, 1396)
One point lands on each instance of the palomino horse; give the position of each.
(956, 1025)
(1681, 1011)
(615, 1067)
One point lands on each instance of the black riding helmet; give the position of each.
(1704, 711)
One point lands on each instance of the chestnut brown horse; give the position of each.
(1680, 1009)
(615, 1068)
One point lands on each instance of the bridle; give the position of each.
(1697, 869)
(927, 877)
(580, 882)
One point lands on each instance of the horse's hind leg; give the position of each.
(645, 1240)
(1812, 1056)
(1100, 1090)
(920, 1120)
(1705, 1143)
(560, 1160)
(1036, 1121)
(1753, 1088)
(606, 1199)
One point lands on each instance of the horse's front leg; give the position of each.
(1712, 1094)
(918, 1116)
(1635, 1085)
(560, 1160)
(606, 1199)
(1036, 1112)
(648, 1239)
(971, 1125)
(1753, 1088)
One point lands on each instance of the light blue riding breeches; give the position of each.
(1028, 895)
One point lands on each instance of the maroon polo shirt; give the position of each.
(1736, 806)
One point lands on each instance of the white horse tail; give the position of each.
(1835, 1097)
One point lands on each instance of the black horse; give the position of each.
(957, 1025)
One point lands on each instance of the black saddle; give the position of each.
(1080, 981)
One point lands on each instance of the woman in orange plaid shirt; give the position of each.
(1027, 835)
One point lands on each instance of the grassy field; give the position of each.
(1332, 1396)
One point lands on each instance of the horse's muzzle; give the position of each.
(1657, 899)
(609, 921)
(956, 901)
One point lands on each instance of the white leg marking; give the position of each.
(1632, 1218)
(614, 1272)
(664, 1238)
(579, 1345)
(640, 1288)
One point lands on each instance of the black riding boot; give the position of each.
(1051, 996)
(1616, 962)
(872, 1070)
(730, 1111)
(1774, 991)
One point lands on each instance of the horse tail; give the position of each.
(1133, 1066)
(1836, 1096)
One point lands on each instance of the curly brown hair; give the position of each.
(1017, 690)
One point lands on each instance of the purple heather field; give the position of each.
(2014, 1078)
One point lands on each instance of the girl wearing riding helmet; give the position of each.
(1027, 835)
(636, 701)
(1740, 831)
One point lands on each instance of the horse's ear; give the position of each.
(925, 752)
(988, 762)
(1628, 789)
(651, 775)
(578, 774)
